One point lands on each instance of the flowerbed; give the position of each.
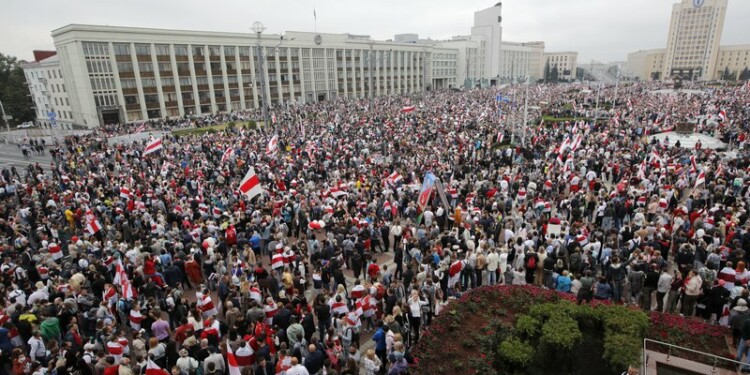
(524, 330)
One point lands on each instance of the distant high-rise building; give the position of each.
(488, 27)
(693, 39)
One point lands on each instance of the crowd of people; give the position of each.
(116, 262)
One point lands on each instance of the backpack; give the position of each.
(531, 263)
(123, 306)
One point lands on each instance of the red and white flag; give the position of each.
(394, 178)
(124, 193)
(152, 146)
(500, 137)
(154, 369)
(701, 180)
(227, 154)
(273, 118)
(250, 185)
(92, 224)
(723, 115)
(273, 145)
(234, 368)
(407, 109)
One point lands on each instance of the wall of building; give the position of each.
(645, 65)
(49, 93)
(693, 39)
(488, 27)
(734, 58)
(566, 63)
(151, 73)
(522, 60)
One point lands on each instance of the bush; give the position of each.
(622, 350)
(527, 326)
(516, 351)
(252, 124)
(561, 332)
(231, 125)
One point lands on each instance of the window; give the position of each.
(142, 49)
(122, 49)
(152, 98)
(244, 51)
(149, 82)
(202, 80)
(183, 67)
(200, 67)
(215, 67)
(218, 80)
(214, 50)
(162, 49)
(131, 99)
(197, 51)
(146, 67)
(187, 96)
(180, 50)
(229, 51)
(167, 81)
(67, 102)
(165, 67)
(185, 81)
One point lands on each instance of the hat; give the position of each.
(247, 338)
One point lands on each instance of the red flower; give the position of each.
(663, 334)
(483, 355)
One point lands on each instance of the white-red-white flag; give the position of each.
(154, 369)
(407, 109)
(701, 180)
(227, 154)
(723, 115)
(152, 146)
(250, 185)
(273, 145)
(234, 368)
(92, 224)
(394, 178)
(124, 193)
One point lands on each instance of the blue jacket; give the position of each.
(379, 338)
(563, 283)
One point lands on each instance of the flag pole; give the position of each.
(315, 15)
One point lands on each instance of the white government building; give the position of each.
(693, 49)
(110, 74)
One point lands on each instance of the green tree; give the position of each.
(745, 75)
(546, 71)
(14, 93)
(553, 74)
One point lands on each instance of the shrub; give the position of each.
(516, 351)
(622, 350)
(561, 332)
(527, 326)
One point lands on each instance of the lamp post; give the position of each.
(258, 29)
(525, 112)
(5, 118)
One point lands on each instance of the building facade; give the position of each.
(123, 74)
(468, 61)
(488, 28)
(522, 60)
(648, 64)
(565, 62)
(645, 65)
(732, 60)
(693, 39)
(50, 94)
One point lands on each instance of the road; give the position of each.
(11, 154)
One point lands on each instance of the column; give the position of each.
(193, 80)
(176, 77)
(227, 98)
(240, 82)
(116, 78)
(157, 78)
(138, 84)
(210, 76)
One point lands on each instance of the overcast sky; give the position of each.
(601, 30)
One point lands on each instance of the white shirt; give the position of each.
(493, 261)
(297, 370)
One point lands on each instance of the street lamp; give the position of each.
(258, 29)
(5, 118)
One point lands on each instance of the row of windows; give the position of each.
(60, 102)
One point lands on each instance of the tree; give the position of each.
(553, 74)
(728, 75)
(546, 71)
(14, 93)
(745, 75)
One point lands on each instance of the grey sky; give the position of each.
(602, 30)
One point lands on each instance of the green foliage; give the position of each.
(622, 350)
(252, 124)
(527, 326)
(231, 125)
(561, 332)
(14, 92)
(516, 351)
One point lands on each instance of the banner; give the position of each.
(424, 194)
(441, 194)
